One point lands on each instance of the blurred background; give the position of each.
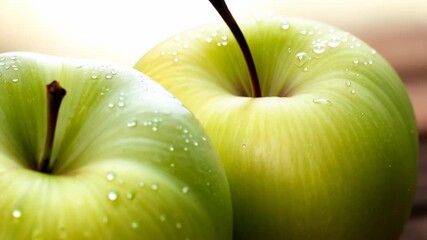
(121, 31)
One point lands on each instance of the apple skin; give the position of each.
(330, 149)
(128, 160)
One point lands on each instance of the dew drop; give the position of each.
(185, 189)
(356, 61)
(134, 224)
(171, 148)
(208, 39)
(301, 59)
(285, 25)
(16, 213)
(130, 196)
(155, 187)
(178, 225)
(154, 129)
(131, 124)
(353, 92)
(348, 84)
(112, 196)
(111, 176)
(319, 47)
(373, 52)
(334, 40)
(111, 105)
(244, 146)
(94, 77)
(322, 101)
(121, 104)
(15, 80)
(108, 76)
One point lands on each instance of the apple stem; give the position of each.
(55, 94)
(223, 10)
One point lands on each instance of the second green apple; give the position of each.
(330, 149)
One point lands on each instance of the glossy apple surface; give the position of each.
(128, 160)
(330, 149)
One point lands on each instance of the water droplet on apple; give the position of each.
(131, 124)
(185, 189)
(319, 47)
(141, 184)
(121, 104)
(334, 40)
(112, 196)
(209, 39)
(356, 61)
(285, 25)
(244, 146)
(175, 60)
(108, 76)
(322, 101)
(94, 77)
(111, 105)
(154, 186)
(348, 84)
(162, 218)
(186, 149)
(130, 196)
(301, 58)
(172, 165)
(134, 224)
(111, 176)
(15, 80)
(373, 52)
(304, 32)
(16, 213)
(154, 129)
(105, 219)
(353, 92)
(178, 225)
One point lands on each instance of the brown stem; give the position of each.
(223, 10)
(55, 93)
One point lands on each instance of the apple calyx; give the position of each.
(55, 94)
(228, 18)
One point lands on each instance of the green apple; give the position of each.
(122, 159)
(328, 150)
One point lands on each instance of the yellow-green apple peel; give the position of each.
(329, 150)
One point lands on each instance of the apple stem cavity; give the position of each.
(224, 12)
(55, 93)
